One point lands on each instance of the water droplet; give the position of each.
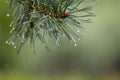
(23, 36)
(7, 1)
(70, 7)
(79, 39)
(15, 47)
(10, 25)
(75, 44)
(8, 14)
(22, 41)
(58, 44)
(78, 30)
(6, 42)
(86, 30)
(11, 31)
(63, 34)
(13, 43)
(9, 43)
(13, 28)
(18, 35)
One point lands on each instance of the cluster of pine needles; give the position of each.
(32, 19)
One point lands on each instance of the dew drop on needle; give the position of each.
(8, 14)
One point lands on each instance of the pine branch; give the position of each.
(54, 17)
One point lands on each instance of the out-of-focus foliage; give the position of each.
(96, 56)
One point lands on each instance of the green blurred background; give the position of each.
(96, 57)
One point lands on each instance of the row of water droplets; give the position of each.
(10, 41)
(14, 40)
(78, 31)
(79, 38)
(7, 1)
